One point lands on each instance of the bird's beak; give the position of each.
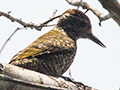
(96, 40)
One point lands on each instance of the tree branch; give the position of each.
(31, 25)
(84, 5)
(9, 39)
(113, 6)
(17, 78)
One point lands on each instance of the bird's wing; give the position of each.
(45, 46)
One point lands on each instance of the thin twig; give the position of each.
(54, 12)
(86, 11)
(9, 39)
(70, 74)
(104, 17)
(31, 25)
(79, 6)
(46, 22)
(49, 25)
(53, 15)
(84, 5)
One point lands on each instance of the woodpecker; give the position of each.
(54, 52)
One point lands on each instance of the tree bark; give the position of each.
(17, 78)
(113, 7)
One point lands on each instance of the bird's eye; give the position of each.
(83, 24)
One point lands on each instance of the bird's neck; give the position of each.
(69, 31)
(69, 25)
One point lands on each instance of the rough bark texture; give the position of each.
(113, 7)
(17, 78)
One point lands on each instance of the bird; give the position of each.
(53, 52)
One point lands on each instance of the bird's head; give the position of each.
(77, 25)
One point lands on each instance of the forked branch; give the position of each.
(31, 25)
(85, 5)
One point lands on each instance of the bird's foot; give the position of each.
(78, 84)
(67, 78)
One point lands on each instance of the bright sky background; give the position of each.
(93, 65)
